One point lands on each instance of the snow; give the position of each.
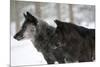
(24, 53)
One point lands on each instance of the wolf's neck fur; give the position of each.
(43, 35)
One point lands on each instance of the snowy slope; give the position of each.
(24, 53)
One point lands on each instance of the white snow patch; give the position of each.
(24, 53)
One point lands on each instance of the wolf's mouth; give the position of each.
(18, 38)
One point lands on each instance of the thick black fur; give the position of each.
(80, 41)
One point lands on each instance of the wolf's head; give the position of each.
(28, 28)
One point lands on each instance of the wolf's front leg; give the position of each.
(60, 60)
(49, 61)
(59, 56)
(49, 57)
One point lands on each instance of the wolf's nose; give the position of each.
(14, 37)
(18, 37)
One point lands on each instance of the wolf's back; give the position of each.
(77, 38)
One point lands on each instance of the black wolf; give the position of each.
(65, 43)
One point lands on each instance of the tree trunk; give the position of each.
(38, 9)
(71, 13)
(58, 11)
(17, 18)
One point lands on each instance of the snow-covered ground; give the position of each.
(24, 53)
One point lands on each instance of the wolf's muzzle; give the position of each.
(18, 37)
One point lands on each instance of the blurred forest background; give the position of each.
(83, 15)
(75, 13)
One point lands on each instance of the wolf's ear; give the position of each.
(30, 17)
(25, 15)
